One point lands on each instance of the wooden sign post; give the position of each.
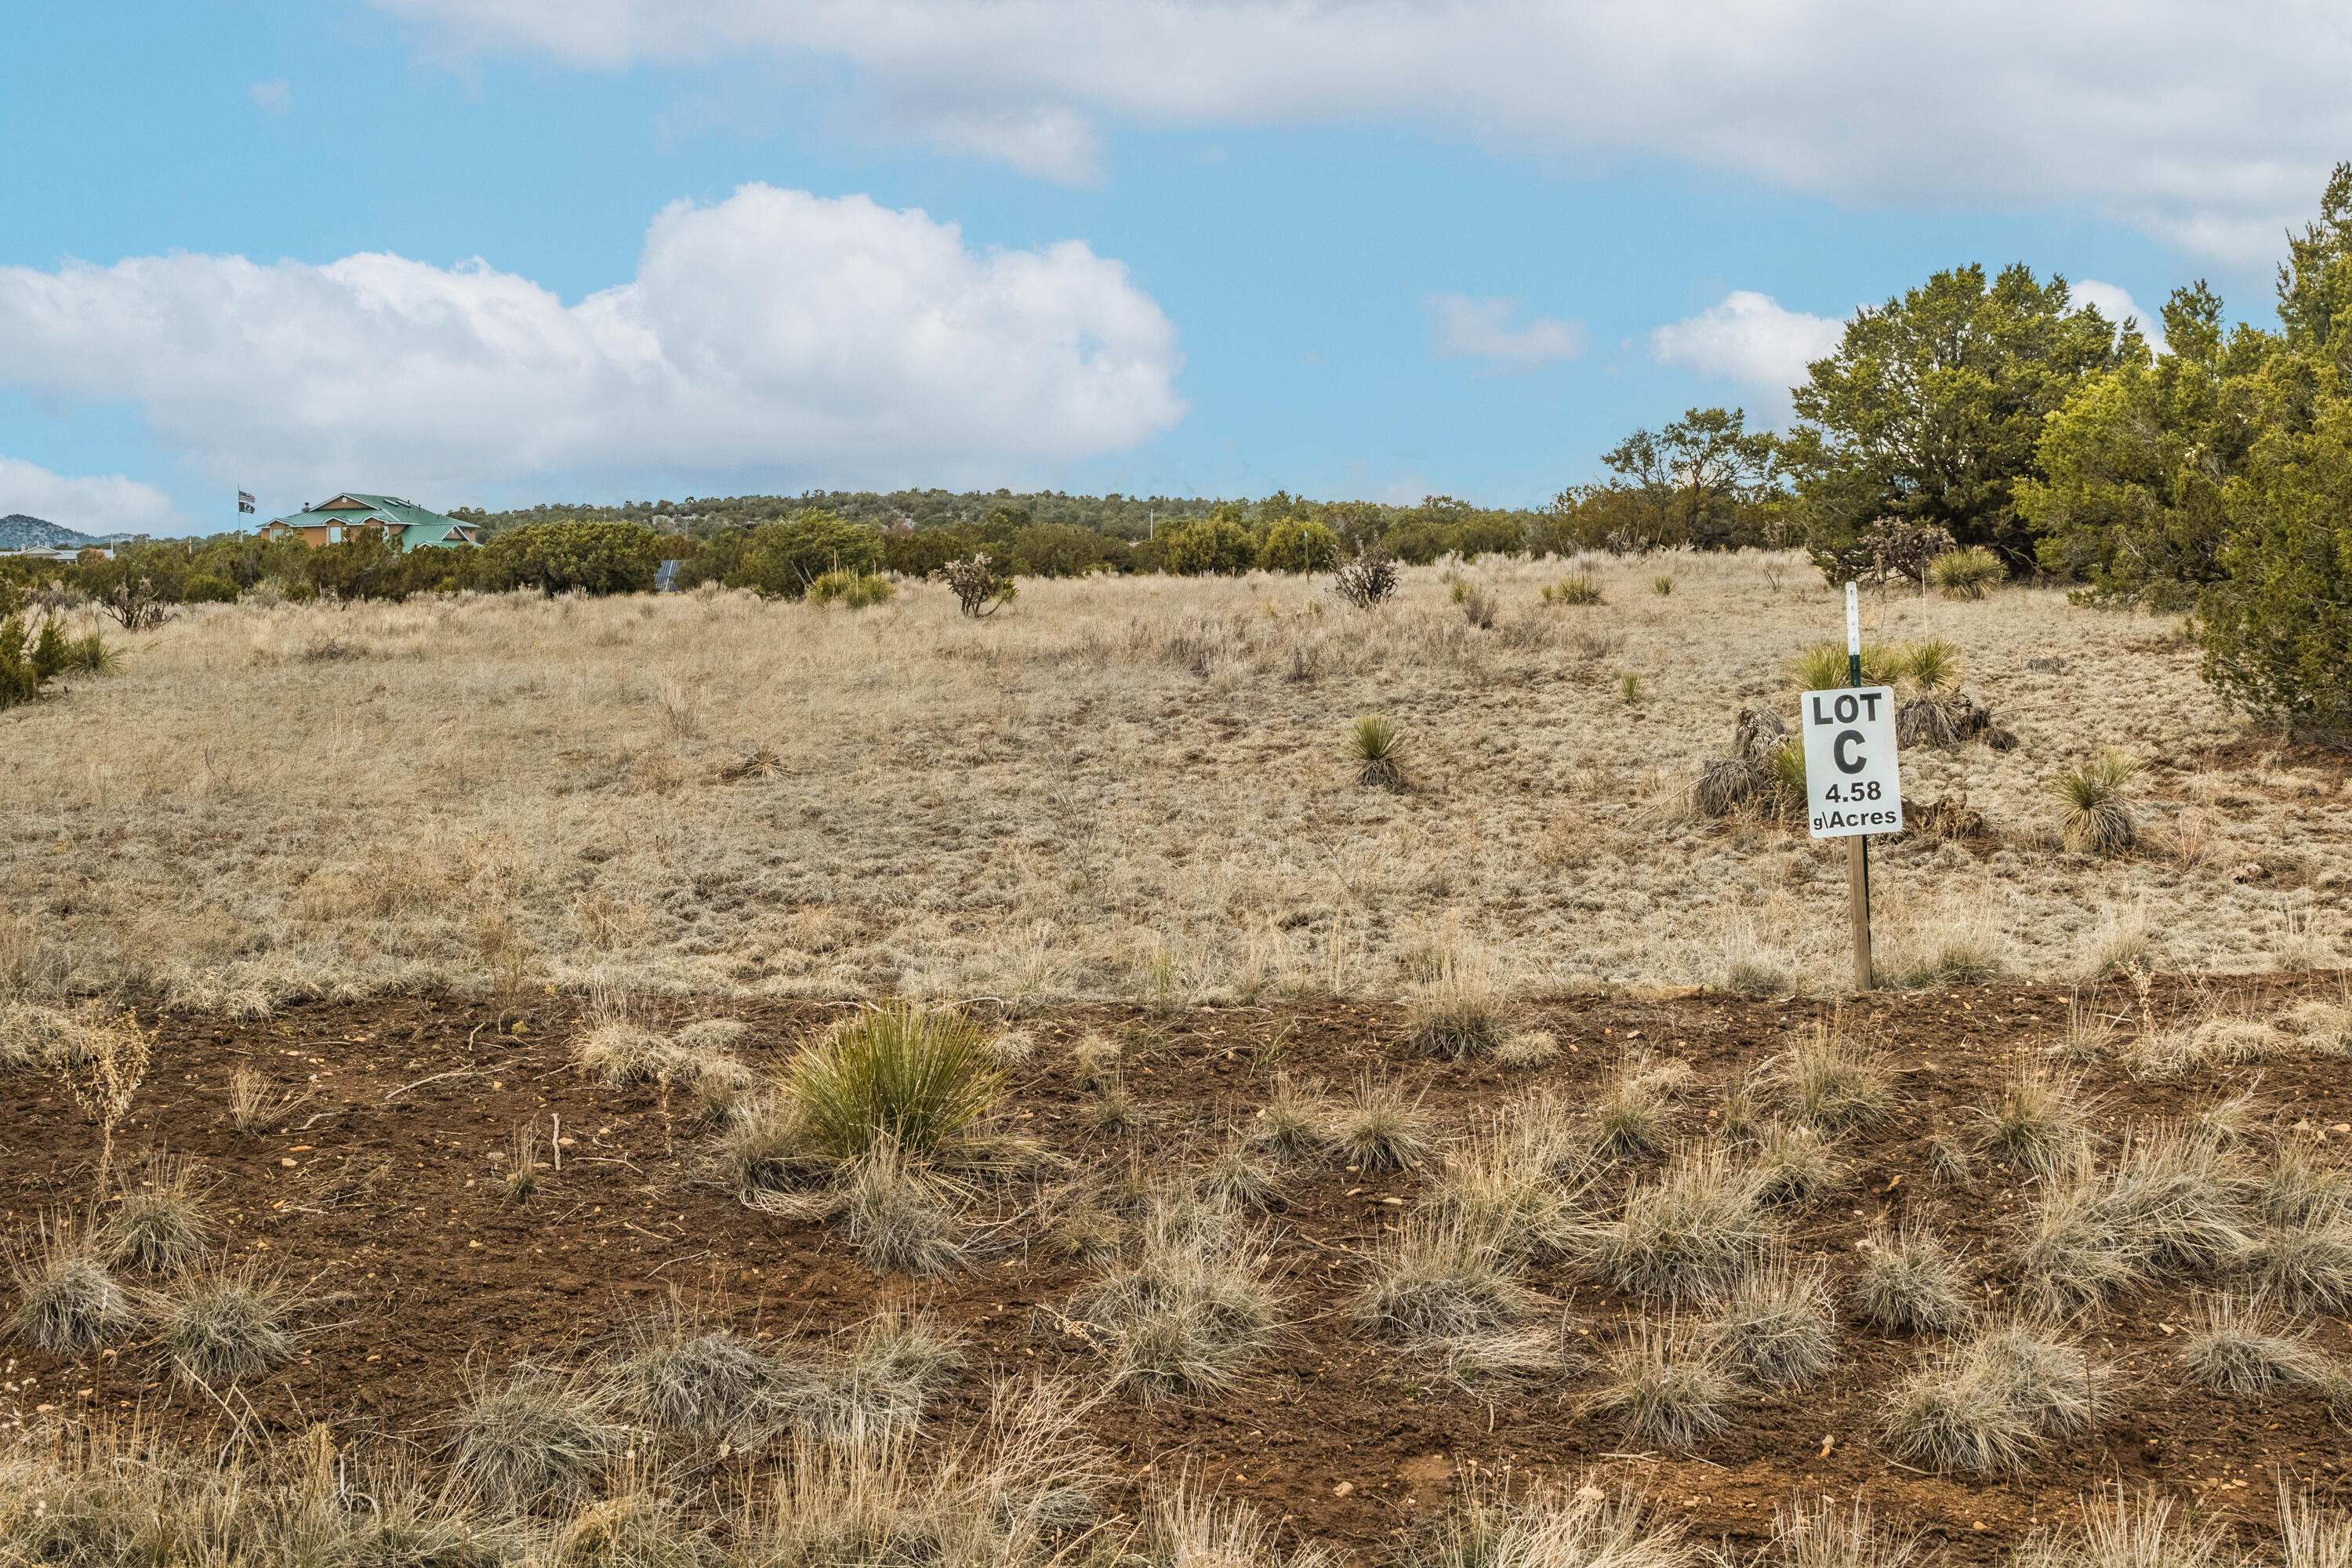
(1854, 786)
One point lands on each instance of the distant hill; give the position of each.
(19, 531)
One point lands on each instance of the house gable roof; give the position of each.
(416, 525)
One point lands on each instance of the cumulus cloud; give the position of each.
(2207, 125)
(1749, 338)
(1482, 329)
(775, 330)
(97, 506)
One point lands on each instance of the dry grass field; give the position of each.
(1133, 789)
(689, 1082)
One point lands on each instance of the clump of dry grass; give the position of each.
(522, 1176)
(2170, 1204)
(1513, 1178)
(1380, 1127)
(67, 1302)
(1444, 1279)
(538, 1436)
(2245, 1347)
(1796, 1163)
(1191, 1528)
(682, 1375)
(1289, 1124)
(160, 1223)
(1457, 1013)
(1237, 1173)
(33, 1039)
(901, 1216)
(1832, 1083)
(226, 1322)
(1189, 1310)
(876, 1391)
(1631, 1117)
(1778, 1326)
(615, 1051)
(253, 1103)
(1547, 1525)
(1695, 1231)
(1993, 1402)
(1910, 1283)
(1093, 1063)
(1528, 1048)
(2037, 1124)
(1666, 1383)
(1826, 1538)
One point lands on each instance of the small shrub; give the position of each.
(920, 1078)
(855, 590)
(1380, 1127)
(981, 587)
(539, 1436)
(1966, 573)
(1695, 1231)
(2095, 819)
(1375, 742)
(1629, 687)
(1778, 1325)
(67, 1302)
(1191, 1311)
(1666, 1383)
(1579, 587)
(1910, 1283)
(160, 1225)
(1477, 607)
(2244, 1348)
(1369, 578)
(1830, 1083)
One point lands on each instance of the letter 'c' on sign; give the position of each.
(1846, 764)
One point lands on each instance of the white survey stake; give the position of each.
(1851, 782)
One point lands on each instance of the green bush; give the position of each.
(1576, 588)
(1300, 544)
(1060, 550)
(1213, 546)
(1966, 573)
(928, 550)
(18, 681)
(916, 1079)
(855, 590)
(552, 557)
(782, 559)
(203, 588)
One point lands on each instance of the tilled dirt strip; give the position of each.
(378, 1193)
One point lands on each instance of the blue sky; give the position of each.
(1311, 254)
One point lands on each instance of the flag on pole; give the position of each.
(244, 501)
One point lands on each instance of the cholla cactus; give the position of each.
(981, 589)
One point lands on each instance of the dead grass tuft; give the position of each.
(2245, 1347)
(1695, 1231)
(1993, 1401)
(158, 1224)
(1528, 1048)
(1832, 1083)
(2037, 1124)
(1778, 1326)
(226, 1322)
(1441, 1280)
(1458, 1011)
(1910, 1283)
(1666, 1383)
(67, 1302)
(538, 1436)
(1547, 1525)
(1380, 1127)
(1189, 1310)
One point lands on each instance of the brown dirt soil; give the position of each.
(380, 1198)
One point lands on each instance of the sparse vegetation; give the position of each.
(67, 1301)
(2036, 1124)
(1189, 1310)
(1666, 1383)
(1830, 1083)
(1993, 1402)
(1778, 1325)
(159, 1223)
(1458, 1011)
(1695, 1231)
(226, 1322)
(538, 1437)
(1910, 1283)
(1380, 1127)
(2242, 1348)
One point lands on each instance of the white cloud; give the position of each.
(1746, 337)
(2116, 303)
(274, 97)
(774, 331)
(111, 505)
(2206, 124)
(1482, 329)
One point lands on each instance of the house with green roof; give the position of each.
(403, 525)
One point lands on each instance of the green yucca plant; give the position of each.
(1966, 573)
(1930, 666)
(1375, 742)
(1576, 588)
(1823, 666)
(1662, 586)
(2094, 819)
(855, 590)
(918, 1079)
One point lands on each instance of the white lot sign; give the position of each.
(1851, 782)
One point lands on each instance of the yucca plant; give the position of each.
(1375, 742)
(2094, 820)
(917, 1078)
(1823, 666)
(1965, 574)
(1662, 586)
(1932, 665)
(1576, 588)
